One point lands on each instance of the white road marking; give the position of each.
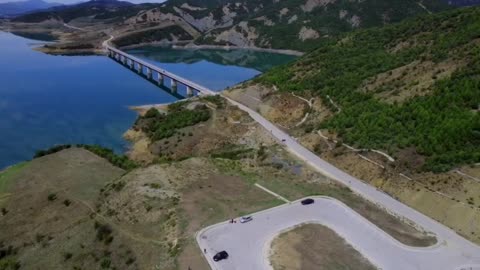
(272, 193)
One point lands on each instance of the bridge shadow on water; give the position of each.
(169, 91)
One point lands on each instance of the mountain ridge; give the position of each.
(18, 8)
(294, 24)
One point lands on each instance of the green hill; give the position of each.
(412, 86)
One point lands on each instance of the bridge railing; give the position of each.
(165, 73)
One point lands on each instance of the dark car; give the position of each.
(307, 201)
(222, 255)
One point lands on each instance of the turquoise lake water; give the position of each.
(47, 100)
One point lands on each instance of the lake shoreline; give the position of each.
(190, 46)
(94, 93)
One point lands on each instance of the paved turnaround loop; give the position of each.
(452, 251)
(248, 244)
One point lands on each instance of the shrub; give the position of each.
(67, 256)
(152, 113)
(52, 197)
(104, 232)
(105, 264)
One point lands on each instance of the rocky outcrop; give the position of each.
(209, 22)
(307, 33)
(312, 4)
(241, 35)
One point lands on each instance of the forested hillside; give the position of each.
(413, 86)
(289, 24)
(302, 24)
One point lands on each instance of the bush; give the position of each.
(152, 113)
(158, 126)
(52, 197)
(67, 256)
(105, 264)
(104, 232)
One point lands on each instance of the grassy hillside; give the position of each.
(377, 78)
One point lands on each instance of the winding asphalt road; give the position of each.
(461, 253)
(248, 244)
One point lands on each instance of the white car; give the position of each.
(246, 219)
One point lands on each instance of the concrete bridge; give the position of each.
(150, 70)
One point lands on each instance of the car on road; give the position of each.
(246, 219)
(222, 255)
(307, 201)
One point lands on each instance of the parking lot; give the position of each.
(248, 244)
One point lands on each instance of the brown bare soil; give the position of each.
(282, 108)
(312, 247)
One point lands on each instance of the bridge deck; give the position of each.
(165, 73)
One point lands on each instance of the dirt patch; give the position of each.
(139, 151)
(292, 112)
(313, 246)
(279, 107)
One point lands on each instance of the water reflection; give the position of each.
(261, 61)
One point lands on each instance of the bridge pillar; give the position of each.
(149, 73)
(160, 78)
(173, 85)
(140, 68)
(124, 60)
(132, 64)
(189, 91)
